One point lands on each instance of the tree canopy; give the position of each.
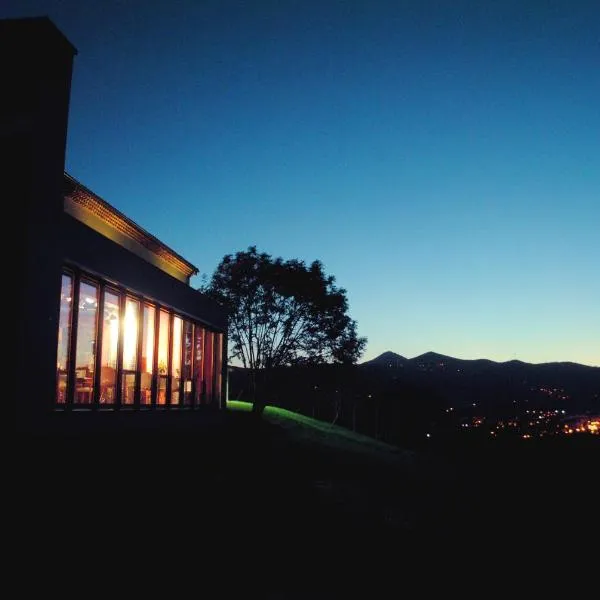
(283, 312)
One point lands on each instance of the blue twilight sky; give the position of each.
(441, 158)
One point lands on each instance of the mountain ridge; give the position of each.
(430, 356)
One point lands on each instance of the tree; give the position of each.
(283, 313)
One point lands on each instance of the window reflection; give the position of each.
(188, 350)
(176, 359)
(147, 355)
(163, 357)
(86, 343)
(127, 388)
(161, 397)
(130, 335)
(110, 344)
(64, 338)
(218, 365)
(198, 364)
(208, 366)
(130, 350)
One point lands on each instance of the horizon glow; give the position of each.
(443, 163)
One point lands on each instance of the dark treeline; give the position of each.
(394, 412)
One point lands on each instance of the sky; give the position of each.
(441, 158)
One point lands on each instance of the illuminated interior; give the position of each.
(64, 336)
(163, 356)
(208, 366)
(188, 356)
(130, 350)
(148, 356)
(176, 359)
(85, 352)
(218, 368)
(198, 385)
(110, 343)
(130, 331)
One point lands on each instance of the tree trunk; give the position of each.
(258, 407)
(258, 403)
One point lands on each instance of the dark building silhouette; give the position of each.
(107, 320)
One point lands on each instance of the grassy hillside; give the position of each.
(302, 428)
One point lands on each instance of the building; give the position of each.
(107, 319)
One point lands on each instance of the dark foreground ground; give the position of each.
(235, 506)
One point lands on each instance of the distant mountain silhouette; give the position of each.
(444, 360)
(432, 356)
(461, 382)
(385, 358)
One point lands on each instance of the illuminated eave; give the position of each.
(87, 207)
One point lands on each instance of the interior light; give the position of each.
(113, 341)
(130, 335)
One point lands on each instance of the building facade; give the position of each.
(107, 319)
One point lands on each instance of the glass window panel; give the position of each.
(86, 343)
(175, 381)
(218, 365)
(176, 359)
(64, 338)
(162, 391)
(130, 334)
(188, 331)
(147, 355)
(208, 367)
(188, 348)
(163, 343)
(163, 356)
(110, 344)
(198, 362)
(128, 388)
(146, 389)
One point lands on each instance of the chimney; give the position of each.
(36, 62)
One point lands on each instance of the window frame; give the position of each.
(84, 278)
(103, 285)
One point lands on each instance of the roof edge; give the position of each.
(192, 268)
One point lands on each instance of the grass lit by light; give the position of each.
(307, 428)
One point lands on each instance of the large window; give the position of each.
(208, 366)
(130, 350)
(198, 365)
(218, 337)
(176, 359)
(163, 357)
(85, 353)
(110, 346)
(147, 355)
(64, 338)
(188, 355)
(116, 349)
